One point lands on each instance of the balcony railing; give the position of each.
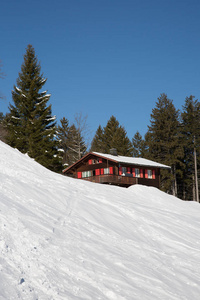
(112, 179)
(125, 181)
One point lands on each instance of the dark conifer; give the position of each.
(139, 145)
(163, 139)
(3, 132)
(190, 127)
(30, 123)
(63, 138)
(112, 136)
(97, 142)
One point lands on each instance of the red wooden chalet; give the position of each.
(115, 169)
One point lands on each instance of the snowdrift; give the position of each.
(63, 238)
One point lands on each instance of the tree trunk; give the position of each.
(196, 175)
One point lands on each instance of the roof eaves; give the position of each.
(77, 162)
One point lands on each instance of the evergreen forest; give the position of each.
(172, 138)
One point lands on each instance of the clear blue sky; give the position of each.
(105, 57)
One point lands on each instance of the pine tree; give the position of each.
(97, 142)
(163, 140)
(191, 140)
(63, 139)
(122, 143)
(3, 132)
(139, 145)
(30, 123)
(112, 136)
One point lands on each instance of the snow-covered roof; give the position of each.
(132, 160)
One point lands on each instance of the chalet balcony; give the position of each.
(113, 179)
(124, 181)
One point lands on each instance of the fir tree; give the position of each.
(191, 139)
(63, 138)
(97, 142)
(112, 136)
(3, 132)
(139, 145)
(163, 140)
(30, 123)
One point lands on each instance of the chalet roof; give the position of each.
(137, 161)
(132, 160)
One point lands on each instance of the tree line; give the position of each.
(172, 138)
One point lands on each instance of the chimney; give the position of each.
(113, 151)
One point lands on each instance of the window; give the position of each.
(137, 173)
(86, 174)
(99, 160)
(106, 171)
(149, 173)
(123, 171)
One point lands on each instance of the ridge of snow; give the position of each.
(64, 238)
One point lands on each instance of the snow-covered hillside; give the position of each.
(63, 238)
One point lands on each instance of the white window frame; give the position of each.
(150, 174)
(86, 174)
(137, 172)
(106, 171)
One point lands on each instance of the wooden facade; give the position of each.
(116, 170)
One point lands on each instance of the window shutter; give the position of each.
(90, 161)
(79, 175)
(146, 173)
(120, 170)
(97, 172)
(133, 172)
(100, 160)
(153, 174)
(128, 170)
(141, 173)
(111, 170)
(102, 171)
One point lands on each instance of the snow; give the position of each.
(132, 160)
(18, 89)
(43, 80)
(51, 119)
(43, 100)
(13, 117)
(64, 238)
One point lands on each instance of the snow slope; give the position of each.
(63, 238)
